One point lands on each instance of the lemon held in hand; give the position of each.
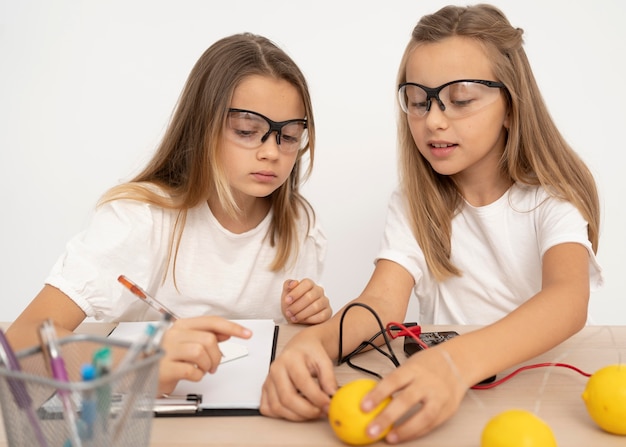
(517, 428)
(347, 419)
(605, 398)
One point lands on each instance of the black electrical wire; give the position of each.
(369, 343)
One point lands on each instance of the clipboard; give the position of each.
(242, 378)
(190, 398)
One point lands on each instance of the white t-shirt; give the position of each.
(498, 248)
(217, 272)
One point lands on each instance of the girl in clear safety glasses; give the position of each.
(495, 223)
(214, 227)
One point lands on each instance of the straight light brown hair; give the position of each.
(535, 152)
(186, 167)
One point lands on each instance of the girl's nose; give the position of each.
(269, 148)
(435, 117)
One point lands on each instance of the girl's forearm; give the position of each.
(534, 328)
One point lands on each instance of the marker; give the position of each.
(103, 362)
(18, 389)
(145, 297)
(52, 351)
(89, 406)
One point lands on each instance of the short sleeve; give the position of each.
(398, 243)
(124, 237)
(560, 222)
(313, 250)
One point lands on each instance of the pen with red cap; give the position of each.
(145, 297)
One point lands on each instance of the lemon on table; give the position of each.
(605, 398)
(347, 419)
(517, 428)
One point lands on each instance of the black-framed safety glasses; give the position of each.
(251, 129)
(456, 99)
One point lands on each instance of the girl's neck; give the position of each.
(252, 214)
(485, 190)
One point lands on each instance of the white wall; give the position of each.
(87, 87)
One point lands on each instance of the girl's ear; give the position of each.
(507, 120)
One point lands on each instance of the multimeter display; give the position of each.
(429, 338)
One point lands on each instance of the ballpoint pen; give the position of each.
(52, 351)
(144, 296)
(147, 344)
(18, 389)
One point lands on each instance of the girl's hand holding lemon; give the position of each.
(347, 419)
(425, 391)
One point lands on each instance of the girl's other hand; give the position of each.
(300, 381)
(191, 349)
(305, 302)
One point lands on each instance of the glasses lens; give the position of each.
(413, 100)
(466, 98)
(293, 136)
(459, 99)
(246, 129)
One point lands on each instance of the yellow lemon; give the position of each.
(517, 428)
(605, 398)
(347, 419)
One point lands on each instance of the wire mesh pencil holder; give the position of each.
(114, 409)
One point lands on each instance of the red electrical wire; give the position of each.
(486, 386)
(396, 330)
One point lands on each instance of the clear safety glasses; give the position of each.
(456, 99)
(251, 129)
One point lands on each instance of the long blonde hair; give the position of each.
(535, 152)
(186, 165)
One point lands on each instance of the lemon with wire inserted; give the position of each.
(605, 398)
(517, 428)
(347, 419)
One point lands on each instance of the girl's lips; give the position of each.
(441, 150)
(264, 176)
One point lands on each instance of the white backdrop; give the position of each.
(87, 87)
